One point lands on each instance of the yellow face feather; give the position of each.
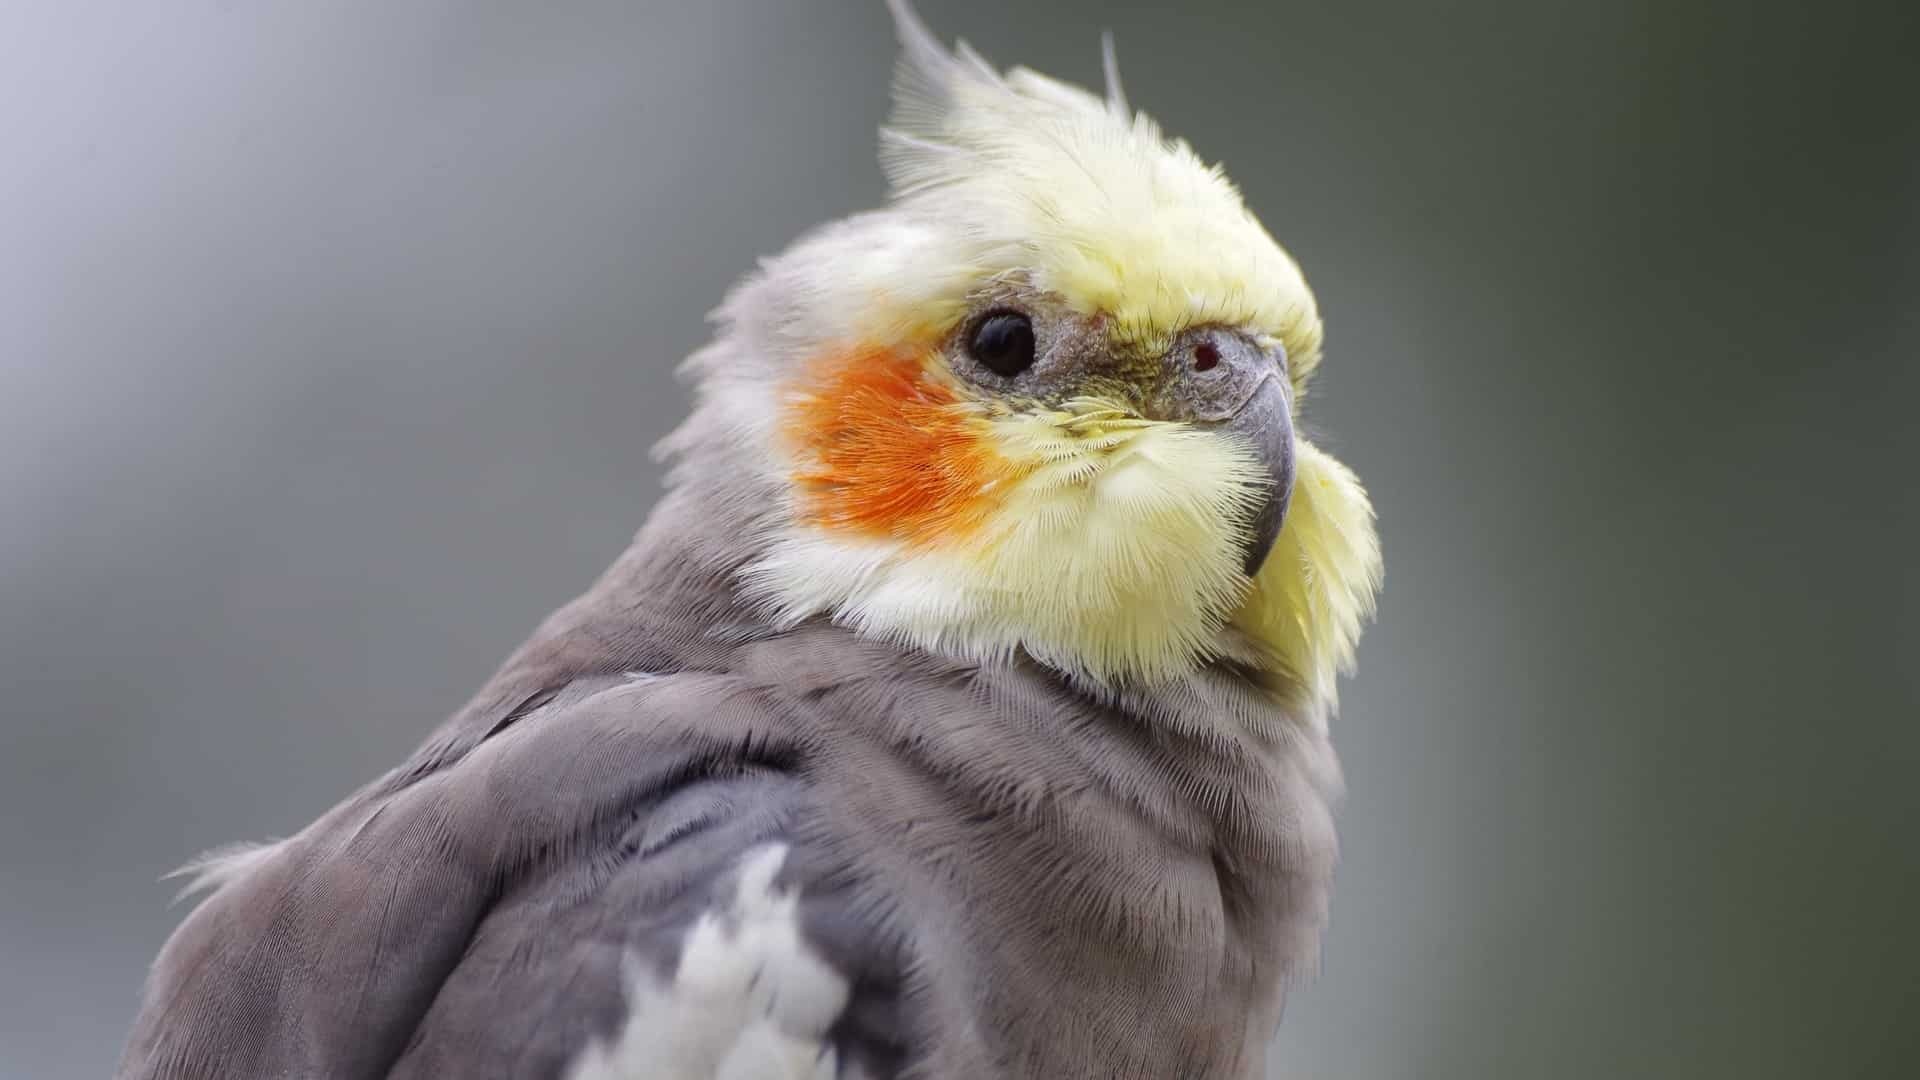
(1317, 589)
(933, 513)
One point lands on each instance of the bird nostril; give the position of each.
(1205, 357)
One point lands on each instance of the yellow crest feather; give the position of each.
(1088, 201)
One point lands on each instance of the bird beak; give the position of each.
(1219, 381)
(1265, 424)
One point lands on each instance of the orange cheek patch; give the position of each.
(889, 449)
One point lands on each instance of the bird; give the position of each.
(961, 709)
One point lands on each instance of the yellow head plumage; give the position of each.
(1089, 200)
(1064, 510)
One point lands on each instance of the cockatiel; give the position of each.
(960, 712)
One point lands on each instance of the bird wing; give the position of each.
(619, 881)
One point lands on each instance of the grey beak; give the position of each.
(1266, 424)
(1218, 380)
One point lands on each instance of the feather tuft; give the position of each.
(1110, 67)
(210, 870)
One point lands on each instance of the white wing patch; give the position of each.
(748, 1001)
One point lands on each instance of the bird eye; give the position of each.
(1003, 343)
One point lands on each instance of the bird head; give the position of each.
(1043, 402)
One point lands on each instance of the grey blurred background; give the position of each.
(334, 335)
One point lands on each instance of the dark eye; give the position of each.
(1003, 343)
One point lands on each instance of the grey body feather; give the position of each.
(1017, 875)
